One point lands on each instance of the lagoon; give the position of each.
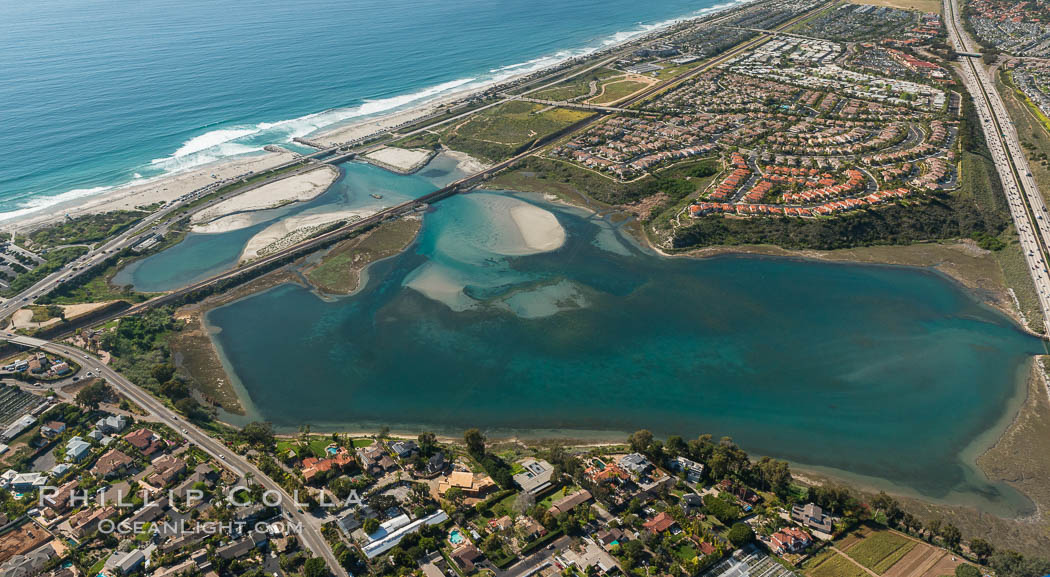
(886, 373)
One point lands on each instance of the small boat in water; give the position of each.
(376, 196)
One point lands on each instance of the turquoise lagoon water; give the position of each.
(886, 373)
(98, 93)
(200, 256)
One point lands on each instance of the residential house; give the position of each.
(404, 448)
(694, 471)
(436, 465)
(465, 556)
(166, 469)
(243, 546)
(636, 464)
(660, 523)
(145, 441)
(77, 449)
(111, 463)
(790, 540)
(375, 460)
(112, 424)
(570, 502)
(52, 429)
(474, 486)
(812, 516)
(536, 476)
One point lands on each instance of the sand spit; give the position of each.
(162, 189)
(294, 229)
(229, 214)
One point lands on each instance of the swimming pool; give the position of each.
(455, 537)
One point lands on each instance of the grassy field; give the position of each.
(1035, 140)
(502, 131)
(615, 91)
(880, 550)
(921, 5)
(574, 87)
(84, 230)
(831, 564)
(339, 271)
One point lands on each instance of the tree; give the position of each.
(163, 372)
(951, 536)
(774, 474)
(56, 311)
(93, 395)
(640, 441)
(427, 443)
(523, 502)
(455, 496)
(982, 549)
(740, 534)
(371, 525)
(257, 433)
(315, 567)
(475, 441)
(967, 570)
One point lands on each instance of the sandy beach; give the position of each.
(230, 214)
(539, 228)
(293, 229)
(162, 189)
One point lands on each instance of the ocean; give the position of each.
(95, 94)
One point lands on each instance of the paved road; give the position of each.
(1027, 205)
(154, 223)
(311, 534)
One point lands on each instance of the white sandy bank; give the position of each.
(163, 189)
(539, 228)
(293, 229)
(229, 214)
(401, 159)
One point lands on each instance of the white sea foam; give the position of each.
(228, 141)
(41, 202)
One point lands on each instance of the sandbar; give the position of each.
(539, 228)
(229, 214)
(291, 230)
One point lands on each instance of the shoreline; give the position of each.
(171, 185)
(971, 455)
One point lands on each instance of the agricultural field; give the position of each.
(14, 402)
(831, 564)
(880, 550)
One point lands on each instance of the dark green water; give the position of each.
(884, 372)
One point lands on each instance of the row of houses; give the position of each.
(873, 199)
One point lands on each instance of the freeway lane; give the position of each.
(1027, 206)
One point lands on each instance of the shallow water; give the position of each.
(200, 256)
(885, 372)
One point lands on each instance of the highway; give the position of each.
(154, 223)
(1027, 206)
(311, 534)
